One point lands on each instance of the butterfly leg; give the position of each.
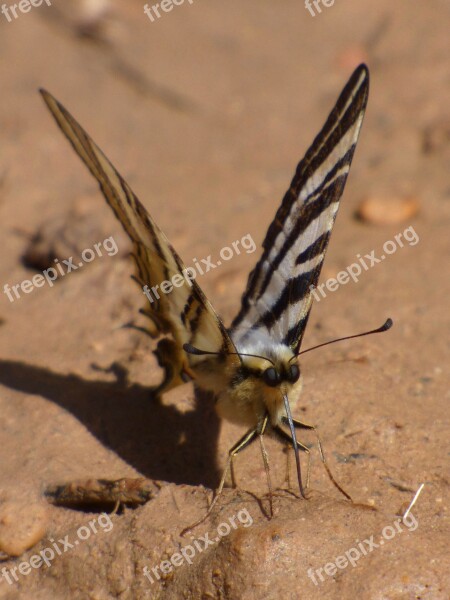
(301, 425)
(242, 443)
(286, 437)
(266, 462)
(287, 477)
(173, 362)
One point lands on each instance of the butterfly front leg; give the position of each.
(300, 425)
(287, 438)
(173, 361)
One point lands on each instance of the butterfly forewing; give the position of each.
(185, 313)
(278, 297)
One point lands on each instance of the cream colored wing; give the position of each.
(278, 298)
(184, 312)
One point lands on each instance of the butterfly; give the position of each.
(252, 367)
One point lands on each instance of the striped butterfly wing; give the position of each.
(278, 297)
(185, 313)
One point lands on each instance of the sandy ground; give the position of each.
(206, 111)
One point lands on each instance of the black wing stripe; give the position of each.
(187, 308)
(291, 294)
(295, 331)
(316, 248)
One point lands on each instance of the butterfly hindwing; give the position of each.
(185, 313)
(278, 297)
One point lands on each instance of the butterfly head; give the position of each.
(256, 387)
(274, 367)
(269, 374)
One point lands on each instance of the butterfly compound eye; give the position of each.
(294, 373)
(271, 377)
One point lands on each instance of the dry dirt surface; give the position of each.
(206, 110)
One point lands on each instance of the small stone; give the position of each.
(22, 525)
(92, 15)
(384, 210)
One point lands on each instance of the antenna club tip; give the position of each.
(388, 324)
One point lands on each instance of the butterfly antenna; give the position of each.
(387, 325)
(190, 349)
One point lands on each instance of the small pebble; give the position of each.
(22, 525)
(92, 15)
(386, 210)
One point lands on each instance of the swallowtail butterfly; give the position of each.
(252, 367)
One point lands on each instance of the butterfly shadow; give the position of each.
(159, 441)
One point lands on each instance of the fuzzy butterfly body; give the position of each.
(252, 367)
